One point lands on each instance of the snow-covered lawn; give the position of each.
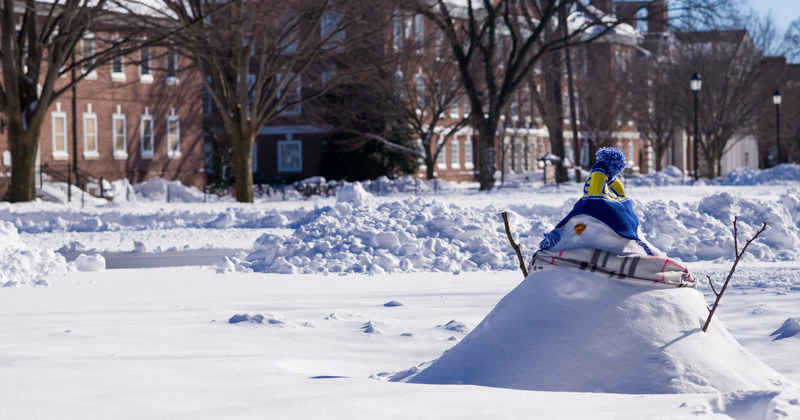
(158, 342)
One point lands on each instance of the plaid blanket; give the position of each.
(658, 270)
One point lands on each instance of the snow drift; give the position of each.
(23, 265)
(568, 330)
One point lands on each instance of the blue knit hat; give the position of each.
(603, 198)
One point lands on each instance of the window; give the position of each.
(467, 106)
(399, 83)
(455, 154)
(172, 66)
(330, 29)
(454, 95)
(419, 32)
(514, 106)
(420, 90)
(90, 135)
(641, 20)
(60, 135)
(439, 44)
(398, 30)
(173, 137)
(87, 54)
(208, 105)
(290, 154)
(145, 69)
(120, 139)
(441, 160)
(118, 68)
(290, 95)
(468, 158)
(251, 92)
(146, 135)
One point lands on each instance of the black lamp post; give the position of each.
(776, 99)
(695, 83)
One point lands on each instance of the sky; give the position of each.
(783, 11)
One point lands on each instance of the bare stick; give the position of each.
(515, 246)
(733, 268)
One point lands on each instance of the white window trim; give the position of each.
(469, 157)
(87, 154)
(172, 80)
(146, 78)
(92, 75)
(455, 154)
(176, 153)
(289, 142)
(60, 154)
(441, 160)
(145, 152)
(119, 154)
(118, 76)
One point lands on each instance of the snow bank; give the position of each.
(159, 189)
(20, 265)
(669, 176)
(704, 231)
(750, 176)
(401, 236)
(570, 330)
(419, 235)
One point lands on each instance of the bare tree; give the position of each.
(496, 45)
(730, 99)
(261, 61)
(39, 43)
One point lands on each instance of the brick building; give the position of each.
(137, 117)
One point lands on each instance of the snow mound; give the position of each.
(703, 231)
(20, 264)
(354, 195)
(271, 319)
(669, 176)
(568, 330)
(790, 328)
(750, 176)
(401, 236)
(159, 189)
(90, 262)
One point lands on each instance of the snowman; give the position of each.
(602, 233)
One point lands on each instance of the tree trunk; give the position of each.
(24, 146)
(243, 166)
(486, 166)
(429, 169)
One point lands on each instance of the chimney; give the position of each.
(607, 6)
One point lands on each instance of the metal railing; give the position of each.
(66, 175)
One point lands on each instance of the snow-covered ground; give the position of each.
(337, 294)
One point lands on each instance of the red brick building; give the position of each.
(137, 117)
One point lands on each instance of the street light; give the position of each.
(776, 99)
(695, 83)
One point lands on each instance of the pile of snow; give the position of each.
(419, 235)
(94, 262)
(751, 176)
(669, 176)
(400, 236)
(575, 331)
(20, 265)
(159, 189)
(703, 231)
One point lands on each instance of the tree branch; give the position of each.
(514, 245)
(733, 268)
